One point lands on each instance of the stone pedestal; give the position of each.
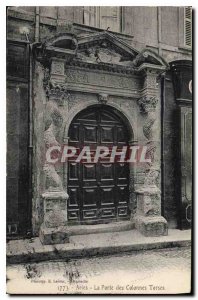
(148, 219)
(50, 236)
(54, 227)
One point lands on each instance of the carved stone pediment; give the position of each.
(147, 57)
(99, 54)
(102, 50)
(105, 48)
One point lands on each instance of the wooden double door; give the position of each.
(98, 192)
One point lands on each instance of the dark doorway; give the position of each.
(17, 127)
(98, 192)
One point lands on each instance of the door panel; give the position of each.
(98, 192)
(90, 134)
(107, 134)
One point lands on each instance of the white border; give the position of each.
(194, 4)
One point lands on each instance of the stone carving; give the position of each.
(57, 92)
(152, 177)
(77, 76)
(151, 81)
(101, 53)
(53, 230)
(147, 104)
(149, 193)
(56, 217)
(151, 148)
(57, 67)
(53, 181)
(103, 98)
(140, 58)
(73, 101)
(151, 206)
(147, 127)
(102, 79)
(53, 122)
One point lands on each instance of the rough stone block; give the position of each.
(151, 226)
(51, 236)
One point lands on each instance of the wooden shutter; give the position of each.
(188, 26)
(90, 15)
(109, 16)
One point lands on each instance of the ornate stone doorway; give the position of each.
(98, 191)
(73, 78)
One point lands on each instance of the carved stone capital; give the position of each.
(147, 104)
(57, 92)
(58, 66)
(103, 98)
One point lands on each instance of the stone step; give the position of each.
(31, 250)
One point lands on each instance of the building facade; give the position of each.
(107, 77)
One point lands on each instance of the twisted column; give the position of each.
(54, 228)
(148, 216)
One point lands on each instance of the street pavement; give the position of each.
(162, 271)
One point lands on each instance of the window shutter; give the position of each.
(90, 15)
(188, 26)
(110, 17)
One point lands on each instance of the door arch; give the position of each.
(98, 192)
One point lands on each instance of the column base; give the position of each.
(151, 225)
(51, 236)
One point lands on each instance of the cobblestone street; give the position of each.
(148, 272)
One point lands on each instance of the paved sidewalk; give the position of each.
(31, 250)
(159, 271)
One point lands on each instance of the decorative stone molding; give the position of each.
(147, 103)
(103, 98)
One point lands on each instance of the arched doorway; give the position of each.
(98, 192)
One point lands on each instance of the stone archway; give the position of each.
(79, 75)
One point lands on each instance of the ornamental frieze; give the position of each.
(102, 79)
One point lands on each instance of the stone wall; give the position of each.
(153, 27)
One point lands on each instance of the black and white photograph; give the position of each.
(99, 137)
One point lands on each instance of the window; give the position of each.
(104, 17)
(188, 26)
